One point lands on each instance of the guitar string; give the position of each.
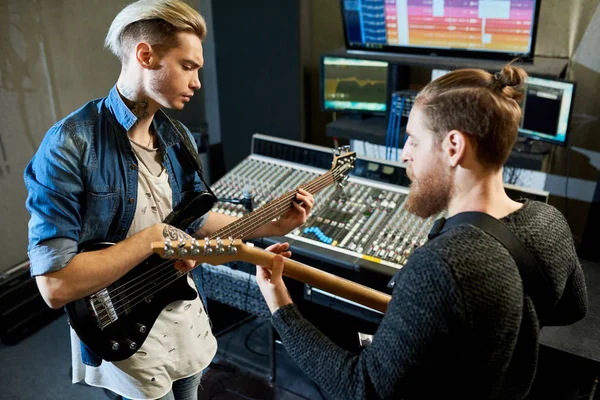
(170, 262)
(154, 286)
(258, 215)
(227, 230)
(178, 274)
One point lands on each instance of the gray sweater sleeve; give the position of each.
(572, 305)
(424, 309)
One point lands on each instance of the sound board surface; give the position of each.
(366, 220)
(361, 231)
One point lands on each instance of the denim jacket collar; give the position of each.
(125, 118)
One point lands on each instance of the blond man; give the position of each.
(112, 171)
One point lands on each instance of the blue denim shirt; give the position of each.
(82, 182)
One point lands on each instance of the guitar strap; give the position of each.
(192, 153)
(535, 281)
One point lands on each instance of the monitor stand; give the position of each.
(530, 146)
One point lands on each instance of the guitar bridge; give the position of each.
(103, 308)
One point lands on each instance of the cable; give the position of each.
(249, 335)
(398, 125)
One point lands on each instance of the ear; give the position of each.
(455, 146)
(145, 55)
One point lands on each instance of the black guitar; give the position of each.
(115, 321)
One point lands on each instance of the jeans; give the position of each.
(183, 389)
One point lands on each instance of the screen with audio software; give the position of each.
(503, 27)
(547, 109)
(350, 84)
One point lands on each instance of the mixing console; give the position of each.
(363, 219)
(366, 219)
(361, 231)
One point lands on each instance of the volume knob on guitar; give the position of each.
(141, 328)
(114, 345)
(131, 344)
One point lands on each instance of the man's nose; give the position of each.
(195, 84)
(405, 156)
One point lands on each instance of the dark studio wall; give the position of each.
(258, 58)
(52, 62)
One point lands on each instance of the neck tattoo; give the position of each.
(139, 108)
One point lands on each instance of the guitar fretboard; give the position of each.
(249, 223)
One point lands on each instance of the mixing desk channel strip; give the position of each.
(365, 219)
(363, 226)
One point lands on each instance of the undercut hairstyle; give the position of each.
(155, 22)
(481, 105)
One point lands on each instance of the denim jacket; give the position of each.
(82, 182)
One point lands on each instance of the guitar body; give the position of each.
(115, 321)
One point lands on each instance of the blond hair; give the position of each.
(154, 21)
(481, 105)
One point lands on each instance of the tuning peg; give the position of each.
(194, 247)
(181, 250)
(220, 247)
(207, 249)
(346, 148)
(231, 249)
(169, 252)
(336, 152)
(343, 182)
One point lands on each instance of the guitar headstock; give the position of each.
(215, 252)
(343, 162)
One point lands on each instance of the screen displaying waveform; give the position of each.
(354, 85)
(504, 26)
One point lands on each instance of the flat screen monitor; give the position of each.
(436, 73)
(547, 109)
(354, 85)
(497, 29)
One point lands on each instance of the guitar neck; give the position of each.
(249, 223)
(218, 252)
(323, 280)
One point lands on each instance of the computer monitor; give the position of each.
(354, 85)
(499, 29)
(547, 110)
(436, 73)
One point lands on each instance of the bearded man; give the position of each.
(461, 324)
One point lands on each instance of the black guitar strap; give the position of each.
(192, 153)
(535, 282)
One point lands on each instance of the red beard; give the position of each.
(430, 194)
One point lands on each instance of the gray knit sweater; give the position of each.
(459, 325)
